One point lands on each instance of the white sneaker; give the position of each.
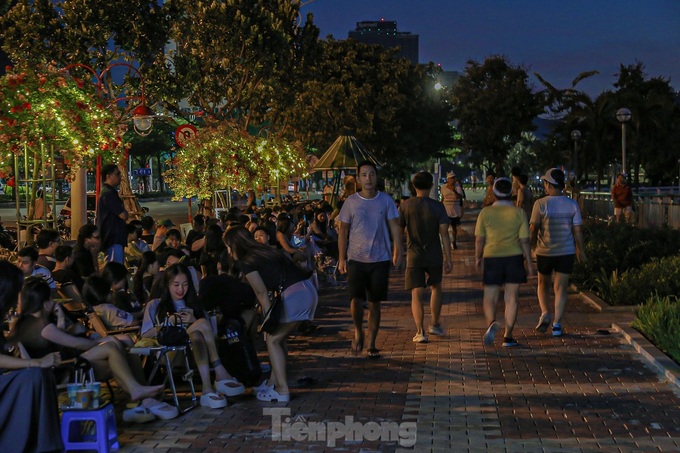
(420, 338)
(490, 334)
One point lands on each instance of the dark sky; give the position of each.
(556, 38)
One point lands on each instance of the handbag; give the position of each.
(173, 333)
(272, 317)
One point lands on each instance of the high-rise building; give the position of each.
(385, 33)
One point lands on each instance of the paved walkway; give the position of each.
(587, 391)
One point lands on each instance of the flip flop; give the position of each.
(164, 411)
(373, 353)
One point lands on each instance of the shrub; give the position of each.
(635, 286)
(659, 320)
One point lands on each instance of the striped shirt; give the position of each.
(555, 216)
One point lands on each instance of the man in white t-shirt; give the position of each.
(556, 235)
(366, 220)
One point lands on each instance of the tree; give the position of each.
(493, 104)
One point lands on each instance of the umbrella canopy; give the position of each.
(344, 154)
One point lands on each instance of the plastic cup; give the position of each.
(83, 398)
(96, 389)
(72, 389)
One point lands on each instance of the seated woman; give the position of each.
(265, 269)
(98, 295)
(212, 248)
(85, 261)
(37, 330)
(143, 279)
(29, 412)
(116, 275)
(179, 297)
(324, 236)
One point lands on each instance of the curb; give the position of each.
(650, 353)
(602, 306)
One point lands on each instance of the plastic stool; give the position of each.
(74, 424)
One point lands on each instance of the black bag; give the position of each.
(173, 335)
(271, 319)
(238, 354)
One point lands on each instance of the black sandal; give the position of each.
(373, 353)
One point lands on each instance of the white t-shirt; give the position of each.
(555, 216)
(369, 238)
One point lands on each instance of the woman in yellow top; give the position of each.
(501, 247)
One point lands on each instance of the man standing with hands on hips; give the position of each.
(111, 216)
(367, 219)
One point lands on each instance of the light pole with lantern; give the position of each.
(575, 136)
(623, 115)
(142, 119)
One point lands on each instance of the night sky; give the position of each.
(557, 39)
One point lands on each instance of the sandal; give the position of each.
(138, 414)
(230, 387)
(213, 401)
(373, 353)
(164, 411)
(272, 396)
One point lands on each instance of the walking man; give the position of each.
(367, 219)
(111, 216)
(556, 233)
(425, 220)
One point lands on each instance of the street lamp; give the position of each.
(623, 115)
(575, 136)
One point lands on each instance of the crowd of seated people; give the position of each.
(209, 274)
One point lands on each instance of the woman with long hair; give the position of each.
(179, 297)
(143, 279)
(29, 414)
(41, 334)
(116, 275)
(265, 269)
(212, 248)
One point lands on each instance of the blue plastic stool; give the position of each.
(76, 432)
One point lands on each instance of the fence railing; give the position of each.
(650, 210)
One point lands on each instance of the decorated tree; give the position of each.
(222, 156)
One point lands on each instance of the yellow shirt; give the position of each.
(502, 225)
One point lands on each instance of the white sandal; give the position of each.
(138, 414)
(272, 396)
(213, 401)
(230, 387)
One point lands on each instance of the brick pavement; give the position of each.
(587, 391)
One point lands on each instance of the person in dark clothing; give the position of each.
(29, 414)
(111, 215)
(85, 261)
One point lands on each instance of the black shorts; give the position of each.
(507, 269)
(563, 264)
(454, 221)
(368, 281)
(415, 277)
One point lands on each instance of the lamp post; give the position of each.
(575, 136)
(623, 115)
(142, 118)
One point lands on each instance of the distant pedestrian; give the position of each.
(502, 248)
(425, 220)
(489, 197)
(525, 199)
(622, 195)
(111, 215)
(453, 198)
(365, 222)
(556, 233)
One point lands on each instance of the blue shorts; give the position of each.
(507, 269)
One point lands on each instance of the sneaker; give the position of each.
(557, 330)
(420, 338)
(436, 330)
(509, 342)
(543, 322)
(490, 334)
